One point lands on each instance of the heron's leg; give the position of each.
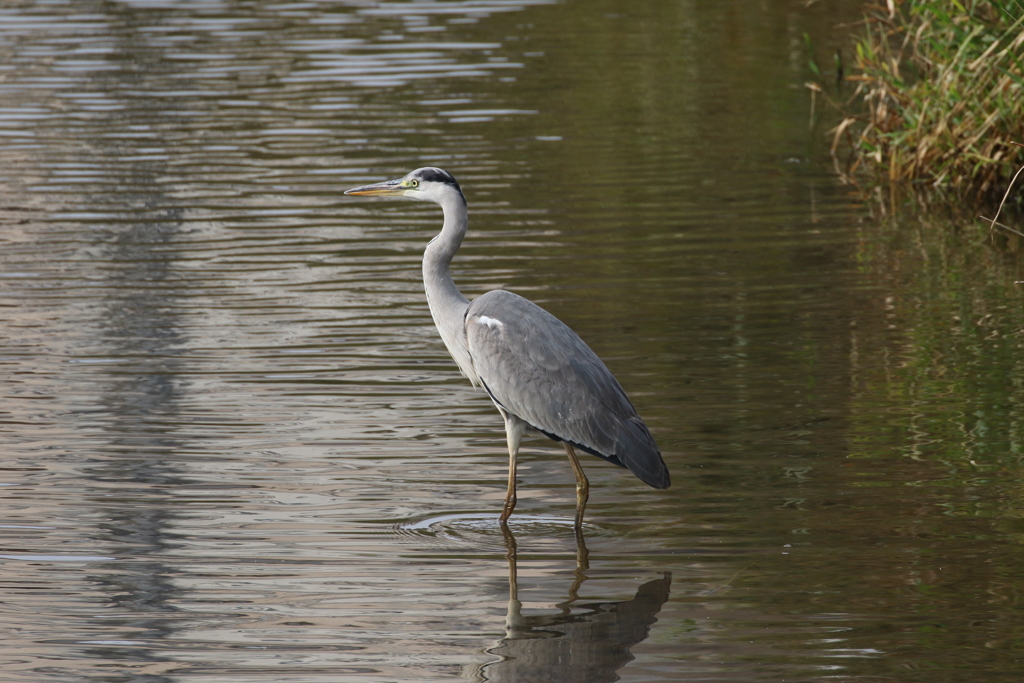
(510, 494)
(514, 432)
(582, 485)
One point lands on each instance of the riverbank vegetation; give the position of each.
(939, 102)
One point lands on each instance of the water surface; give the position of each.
(235, 449)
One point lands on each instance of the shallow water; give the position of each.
(234, 448)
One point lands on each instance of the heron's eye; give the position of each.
(414, 183)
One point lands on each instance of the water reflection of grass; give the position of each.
(940, 365)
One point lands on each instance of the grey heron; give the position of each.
(541, 376)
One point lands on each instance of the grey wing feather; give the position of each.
(537, 368)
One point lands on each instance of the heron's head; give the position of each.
(426, 184)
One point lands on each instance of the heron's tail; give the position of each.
(636, 449)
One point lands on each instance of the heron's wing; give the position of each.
(535, 367)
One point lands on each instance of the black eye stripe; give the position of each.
(436, 175)
(432, 174)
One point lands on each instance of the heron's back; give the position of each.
(534, 366)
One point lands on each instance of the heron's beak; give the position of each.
(389, 188)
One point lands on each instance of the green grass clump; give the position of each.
(942, 84)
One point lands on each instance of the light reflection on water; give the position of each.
(234, 447)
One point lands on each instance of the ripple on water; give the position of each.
(482, 532)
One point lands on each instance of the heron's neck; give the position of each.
(447, 304)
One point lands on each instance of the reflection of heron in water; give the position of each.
(541, 376)
(583, 643)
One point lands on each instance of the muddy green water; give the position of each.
(233, 447)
